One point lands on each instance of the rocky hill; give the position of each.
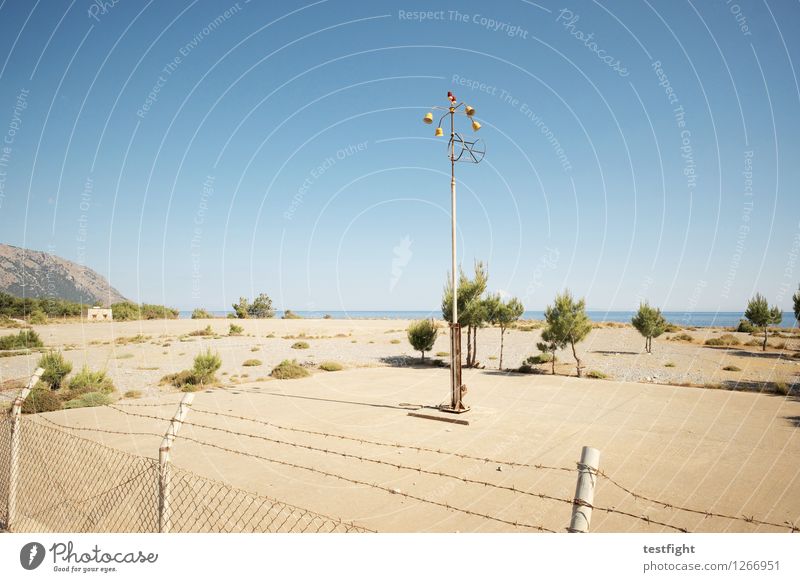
(36, 274)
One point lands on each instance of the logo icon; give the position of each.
(31, 555)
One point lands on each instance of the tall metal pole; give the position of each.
(455, 329)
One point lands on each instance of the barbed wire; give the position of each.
(793, 528)
(100, 430)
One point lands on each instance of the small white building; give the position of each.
(99, 314)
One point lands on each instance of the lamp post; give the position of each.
(473, 152)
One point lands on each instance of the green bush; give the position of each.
(726, 339)
(201, 313)
(732, 369)
(127, 310)
(38, 318)
(133, 394)
(41, 399)
(251, 363)
(88, 400)
(289, 314)
(26, 338)
(421, 335)
(596, 374)
(745, 326)
(205, 365)
(289, 370)
(669, 365)
(206, 331)
(300, 345)
(234, 329)
(682, 337)
(87, 381)
(331, 366)
(543, 358)
(55, 369)
(179, 379)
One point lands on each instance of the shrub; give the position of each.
(179, 379)
(394, 341)
(732, 369)
(202, 332)
(88, 400)
(201, 313)
(596, 374)
(421, 335)
(126, 310)
(133, 394)
(55, 369)
(671, 328)
(543, 358)
(87, 381)
(781, 388)
(331, 366)
(26, 338)
(745, 326)
(300, 346)
(205, 365)
(327, 316)
(289, 314)
(234, 329)
(289, 370)
(38, 318)
(669, 365)
(442, 354)
(41, 399)
(726, 339)
(252, 363)
(682, 337)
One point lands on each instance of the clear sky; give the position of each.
(193, 152)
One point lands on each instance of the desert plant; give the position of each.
(760, 314)
(289, 314)
(731, 368)
(682, 337)
(745, 326)
(649, 322)
(260, 308)
(567, 323)
(252, 363)
(205, 365)
(201, 313)
(300, 346)
(327, 316)
(596, 374)
(126, 310)
(234, 329)
(25, 338)
(41, 399)
(206, 331)
(422, 335)
(55, 369)
(89, 399)
(503, 314)
(289, 370)
(89, 381)
(725, 339)
(133, 394)
(331, 366)
(669, 365)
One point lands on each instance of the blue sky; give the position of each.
(193, 152)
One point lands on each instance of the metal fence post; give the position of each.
(584, 491)
(163, 463)
(13, 463)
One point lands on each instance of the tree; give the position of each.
(422, 335)
(796, 299)
(261, 308)
(760, 314)
(567, 323)
(502, 313)
(471, 307)
(201, 313)
(242, 308)
(649, 322)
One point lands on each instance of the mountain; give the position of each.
(26, 273)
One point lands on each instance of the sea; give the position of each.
(682, 318)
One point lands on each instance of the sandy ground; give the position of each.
(726, 451)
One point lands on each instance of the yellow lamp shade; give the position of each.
(470, 111)
(439, 132)
(475, 125)
(428, 118)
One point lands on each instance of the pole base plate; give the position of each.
(450, 409)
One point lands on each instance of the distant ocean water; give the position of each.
(684, 318)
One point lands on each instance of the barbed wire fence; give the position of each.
(65, 482)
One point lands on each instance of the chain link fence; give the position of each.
(65, 483)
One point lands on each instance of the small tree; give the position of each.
(503, 314)
(422, 335)
(567, 323)
(760, 314)
(649, 322)
(261, 307)
(472, 311)
(796, 299)
(201, 313)
(242, 308)
(549, 346)
(55, 369)
(205, 365)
